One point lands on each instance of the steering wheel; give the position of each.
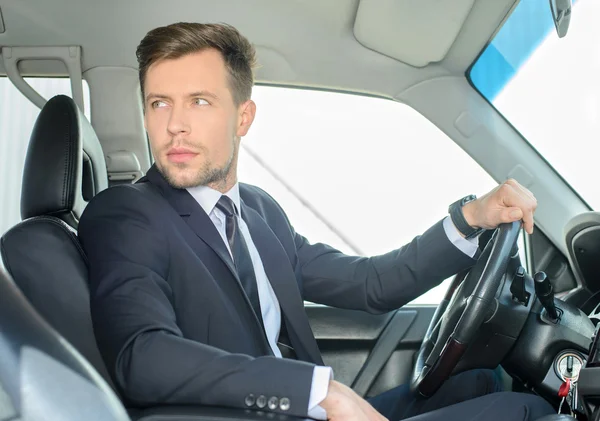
(467, 304)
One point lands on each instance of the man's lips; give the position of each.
(180, 155)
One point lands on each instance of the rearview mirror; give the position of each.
(561, 15)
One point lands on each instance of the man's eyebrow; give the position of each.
(203, 94)
(151, 95)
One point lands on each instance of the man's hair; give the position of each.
(183, 38)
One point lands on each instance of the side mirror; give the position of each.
(561, 15)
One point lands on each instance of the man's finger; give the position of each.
(517, 196)
(511, 214)
(514, 196)
(526, 192)
(528, 204)
(528, 222)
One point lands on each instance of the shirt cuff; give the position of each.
(318, 391)
(467, 246)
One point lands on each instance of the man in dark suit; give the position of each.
(197, 281)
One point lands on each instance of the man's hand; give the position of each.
(508, 202)
(343, 404)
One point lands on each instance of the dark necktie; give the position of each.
(241, 255)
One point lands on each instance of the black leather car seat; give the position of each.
(42, 377)
(64, 169)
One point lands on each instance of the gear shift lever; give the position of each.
(543, 289)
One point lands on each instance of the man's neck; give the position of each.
(225, 184)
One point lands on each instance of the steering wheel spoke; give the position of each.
(462, 312)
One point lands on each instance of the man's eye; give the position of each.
(200, 101)
(158, 104)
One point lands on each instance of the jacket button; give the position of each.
(273, 403)
(250, 400)
(284, 404)
(261, 401)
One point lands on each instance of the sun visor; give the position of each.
(416, 32)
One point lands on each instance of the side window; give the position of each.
(362, 174)
(17, 117)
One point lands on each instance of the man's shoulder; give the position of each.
(264, 204)
(249, 191)
(121, 199)
(257, 198)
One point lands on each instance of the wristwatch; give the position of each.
(458, 218)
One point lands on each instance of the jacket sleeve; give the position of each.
(375, 284)
(380, 283)
(136, 329)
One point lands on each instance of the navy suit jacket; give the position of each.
(172, 321)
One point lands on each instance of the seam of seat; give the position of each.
(56, 221)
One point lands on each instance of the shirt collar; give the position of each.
(208, 197)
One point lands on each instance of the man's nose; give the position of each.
(178, 120)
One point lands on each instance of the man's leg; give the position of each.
(398, 403)
(501, 406)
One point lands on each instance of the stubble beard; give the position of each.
(207, 175)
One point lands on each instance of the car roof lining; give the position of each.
(290, 38)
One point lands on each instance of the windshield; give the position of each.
(548, 87)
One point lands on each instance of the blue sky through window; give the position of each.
(526, 28)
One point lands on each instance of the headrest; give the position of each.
(64, 166)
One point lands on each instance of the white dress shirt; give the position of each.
(269, 305)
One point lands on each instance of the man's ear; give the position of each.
(247, 111)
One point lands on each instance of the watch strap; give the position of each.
(458, 218)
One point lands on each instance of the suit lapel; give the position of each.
(281, 276)
(193, 214)
(201, 224)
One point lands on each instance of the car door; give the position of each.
(370, 353)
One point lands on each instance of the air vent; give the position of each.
(1, 23)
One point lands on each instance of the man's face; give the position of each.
(192, 122)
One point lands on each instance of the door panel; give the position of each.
(370, 353)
